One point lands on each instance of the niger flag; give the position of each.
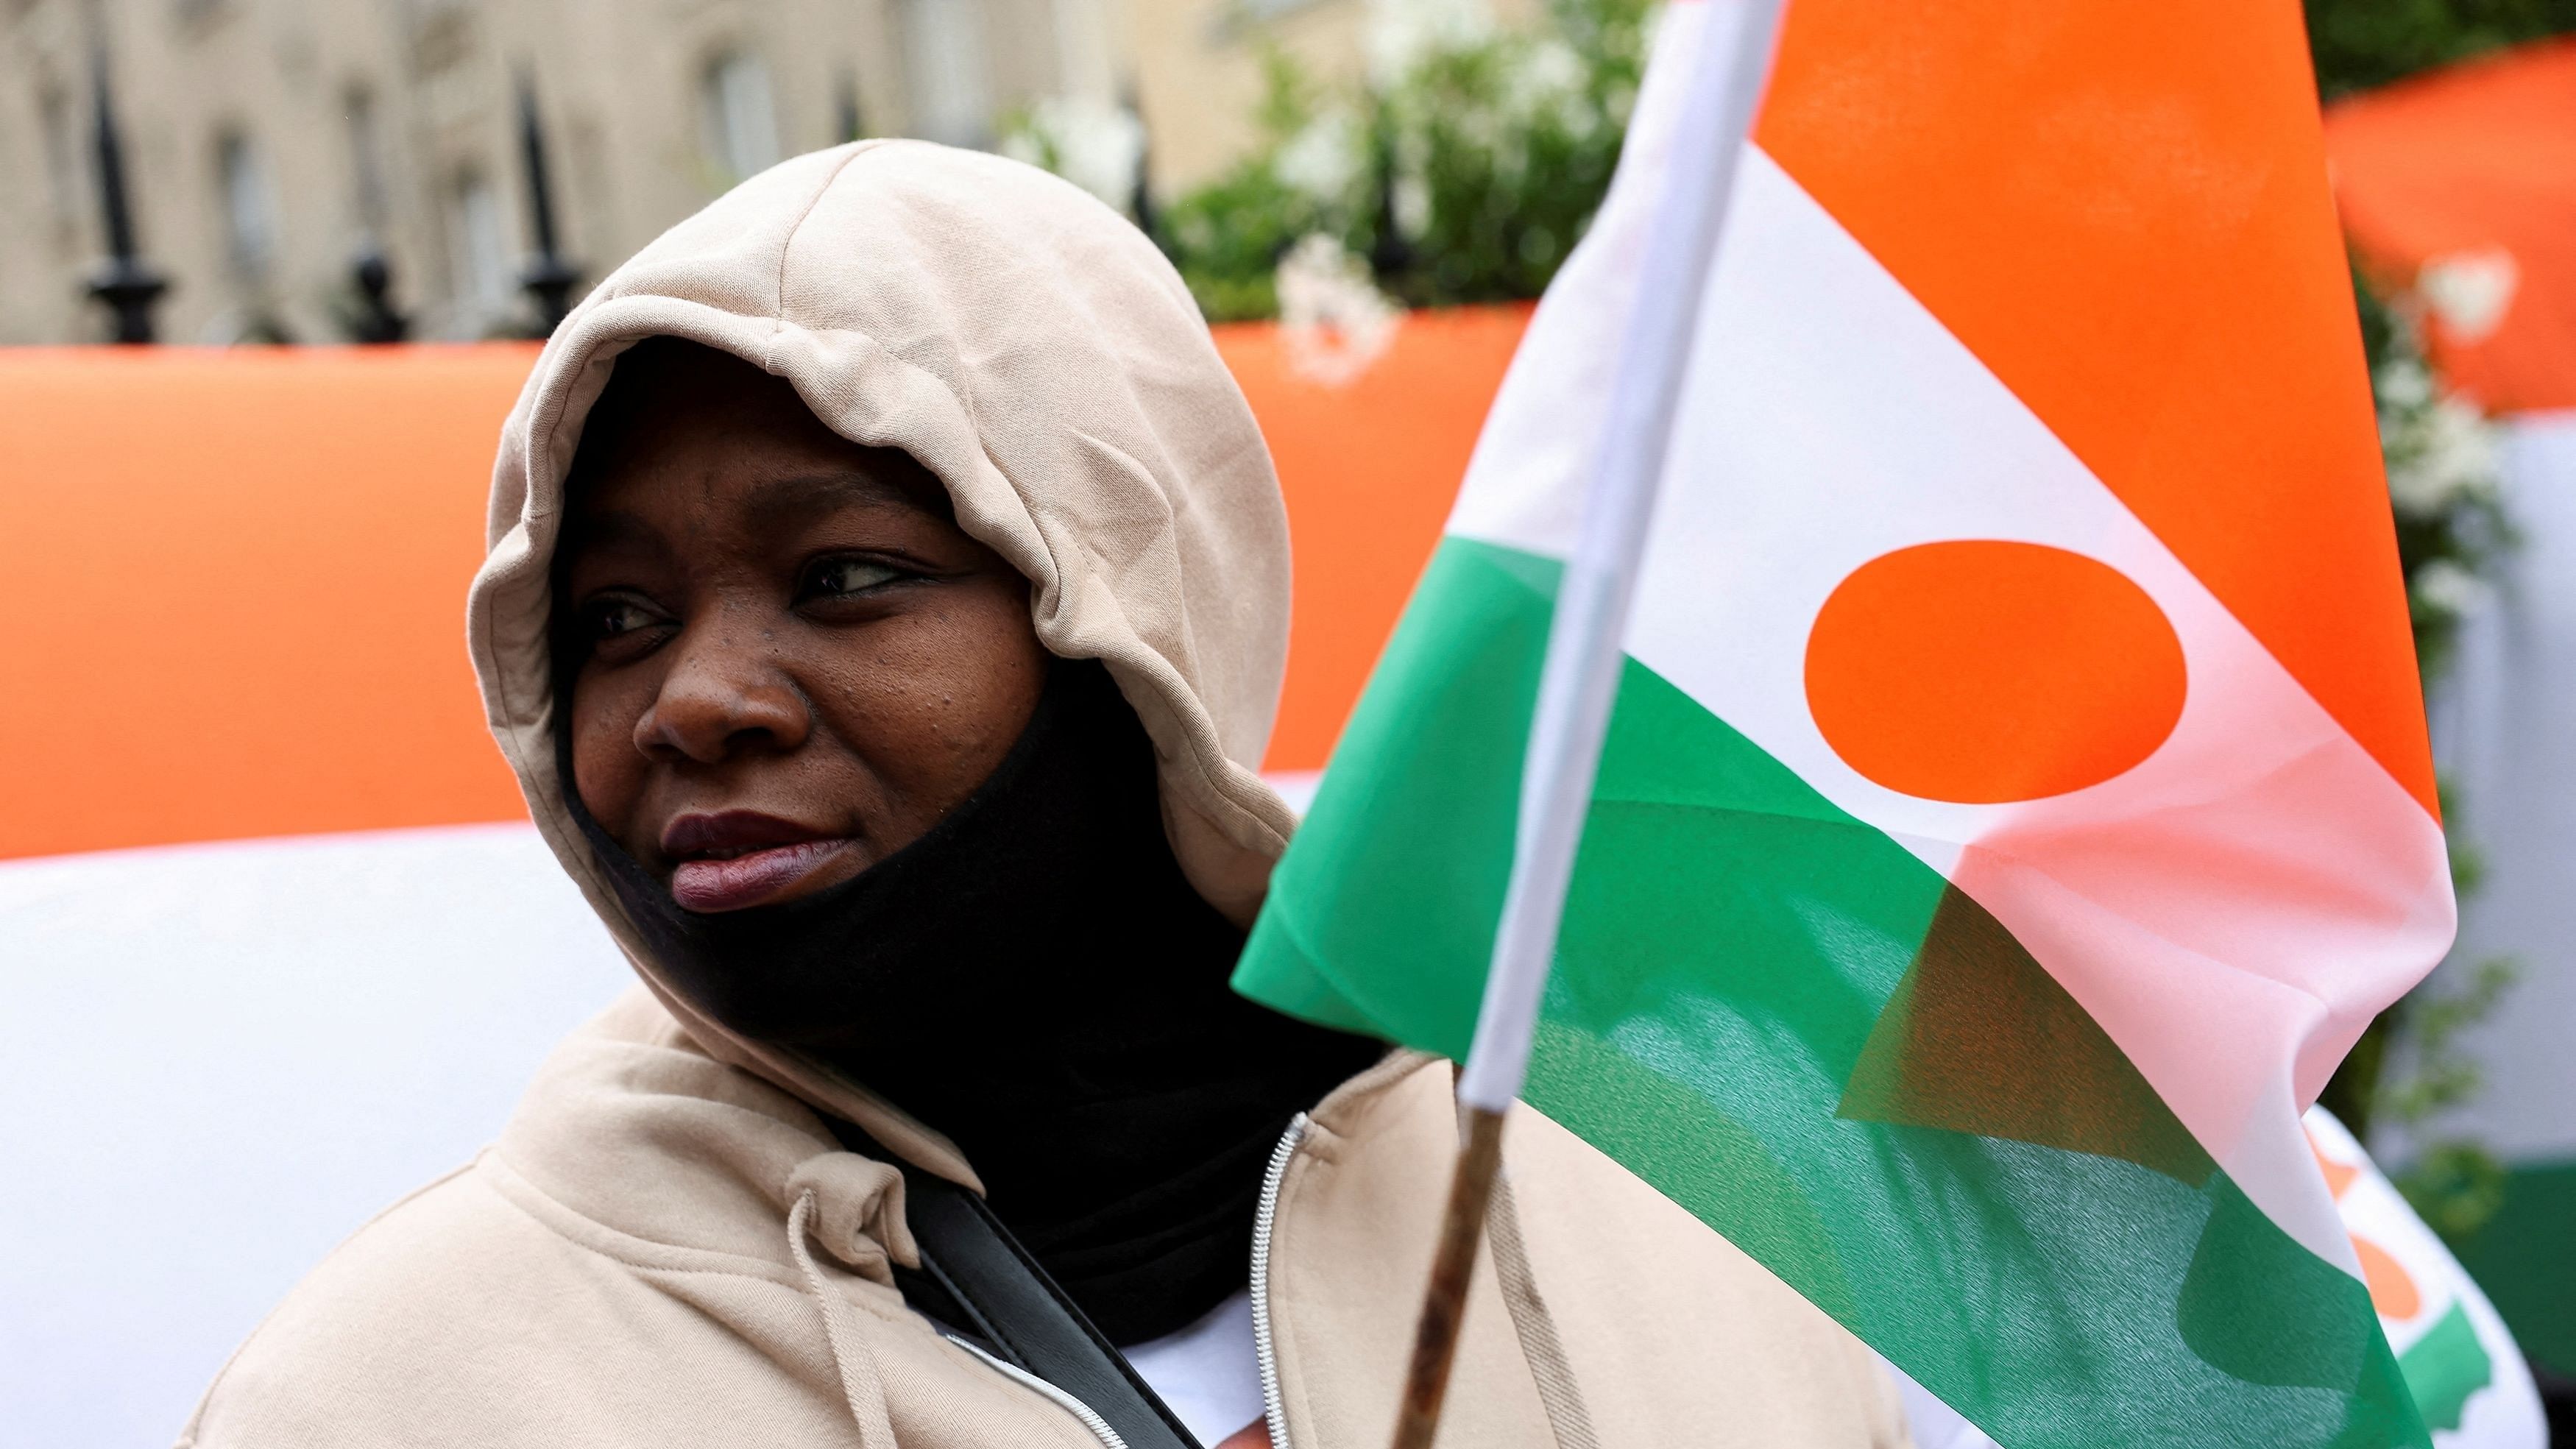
(2017, 799)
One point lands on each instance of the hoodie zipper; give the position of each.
(1099, 1427)
(1264, 1344)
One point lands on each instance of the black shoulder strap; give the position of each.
(975, 1278)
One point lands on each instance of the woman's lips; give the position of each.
(736, 858)
(749, 879)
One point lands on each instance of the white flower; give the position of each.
(1411, 199)
(1096, 147)
(1333, 318)
(2404, 382)
(1488, 128)
(2440, 456)
(1403, 33)
(2470, 292)
(1545, 82)
(1323, 160)
(2448, 589)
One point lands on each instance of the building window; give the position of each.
(250, 220)
(481, 253)
(741, 116)
(949, 80)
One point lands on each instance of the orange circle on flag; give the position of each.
(1982, 671)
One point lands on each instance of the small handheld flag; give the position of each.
(1581, 674)
(2016, 797)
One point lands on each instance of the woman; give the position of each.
(886, 604)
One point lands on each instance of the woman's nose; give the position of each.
(724, 694)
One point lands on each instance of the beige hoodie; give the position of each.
(667, 1246)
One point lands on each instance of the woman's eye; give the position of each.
(837, 577)
(611, 618)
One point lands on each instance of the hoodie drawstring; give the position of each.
(861, 1388)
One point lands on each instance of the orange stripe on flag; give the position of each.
(2123, 211)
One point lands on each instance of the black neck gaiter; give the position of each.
(1035, 978)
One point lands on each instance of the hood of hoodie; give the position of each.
(1035, 352)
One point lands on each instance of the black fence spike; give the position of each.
(377, 319)
(549, 276)
(124, 282)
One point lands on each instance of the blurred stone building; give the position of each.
(270, 145)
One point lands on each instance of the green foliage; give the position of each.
(2443, 1078)
(2363, 43)
(1227, 237)
(1463, 172)
(2455, 1186)
(2455, 1183)
(2411, 1067)
(1496, 155)
(2451, 528)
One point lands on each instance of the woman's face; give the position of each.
(792, 662)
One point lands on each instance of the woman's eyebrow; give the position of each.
(779, 503)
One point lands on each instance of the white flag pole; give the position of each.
(1586, 648)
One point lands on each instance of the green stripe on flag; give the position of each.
(1795, 1029)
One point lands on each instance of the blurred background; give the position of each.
(299, 171)
(243, 785)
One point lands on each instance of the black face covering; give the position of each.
(1035, 978)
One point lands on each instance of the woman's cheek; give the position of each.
(608, 771)
(934, 700)
(909, 717)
